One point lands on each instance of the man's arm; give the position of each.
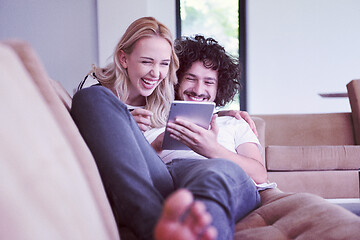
(240, 115)
(248, 157)
(204, 142)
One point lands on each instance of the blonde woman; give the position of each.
(148, 83)
(136, 180)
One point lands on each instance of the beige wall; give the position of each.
(296, 49)
(115, 16)
(69, 36)
(299, 48)
(63, 33)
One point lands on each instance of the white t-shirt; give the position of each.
(232, 133)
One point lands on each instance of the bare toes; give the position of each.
(184, 218)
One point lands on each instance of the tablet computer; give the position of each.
(199, 113)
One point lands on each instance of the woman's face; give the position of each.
(147, 66)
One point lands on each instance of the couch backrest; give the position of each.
(309, 129)
(50, 185)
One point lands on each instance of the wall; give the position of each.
(69, 36)
(63, 33)
(297, 49)
(115, 16)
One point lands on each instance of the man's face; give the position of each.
(198, 84)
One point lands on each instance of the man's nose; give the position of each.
(199, 88)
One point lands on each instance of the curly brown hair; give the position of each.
(214, 56)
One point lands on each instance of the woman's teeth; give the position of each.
(149, 83)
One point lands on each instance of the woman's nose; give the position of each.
(155, 71)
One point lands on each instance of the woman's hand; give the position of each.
(200, 140)
(142, 117)
(240, 115)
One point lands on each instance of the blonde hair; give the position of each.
(116, 78)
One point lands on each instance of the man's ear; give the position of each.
(123, 58)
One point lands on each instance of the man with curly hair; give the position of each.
(212, 56)
(208, 73)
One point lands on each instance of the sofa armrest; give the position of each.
(353, 89)
(260, 128)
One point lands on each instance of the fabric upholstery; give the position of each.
(353, 89)
(297, 216)
(302, 152)
(50, 187)
(300, 158)
(44, 193)
(327, 184)
(58, 102)
(260, 128)
(62, 94)
(308, 129)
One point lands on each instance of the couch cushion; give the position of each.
(298, 158)
(59, 102)
(327, 184)
(44, 192)
(297, 216)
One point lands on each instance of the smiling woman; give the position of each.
(143, 71)
(147, 65)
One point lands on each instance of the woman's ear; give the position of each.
(123, 58)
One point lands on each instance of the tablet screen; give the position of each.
(199, 113)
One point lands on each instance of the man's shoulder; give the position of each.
(228, 120)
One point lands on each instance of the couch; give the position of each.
(51, 188)
(316, 153)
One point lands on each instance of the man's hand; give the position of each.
(200, 140)
(142, 117)
(240, 115)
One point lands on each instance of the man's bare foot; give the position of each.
(184, 219)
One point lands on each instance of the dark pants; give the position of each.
(137, 181)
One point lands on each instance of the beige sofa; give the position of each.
(51, 188)
(316, 153)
